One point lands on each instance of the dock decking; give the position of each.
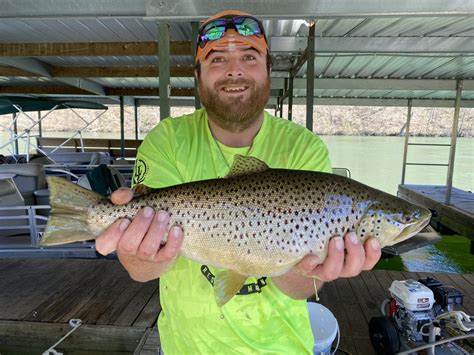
(38, 297)
(457, 216)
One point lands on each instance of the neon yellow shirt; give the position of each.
(260, 318)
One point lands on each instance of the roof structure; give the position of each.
(366, 52)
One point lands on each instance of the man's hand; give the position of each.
(137, 242)
(339, 263)
(346, 258)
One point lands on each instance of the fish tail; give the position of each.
(70, 204)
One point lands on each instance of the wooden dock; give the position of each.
(457, 216)
(38, 297)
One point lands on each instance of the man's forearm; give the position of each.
(295, 285)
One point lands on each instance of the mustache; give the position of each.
(240, 81)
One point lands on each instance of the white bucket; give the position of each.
(324, 326)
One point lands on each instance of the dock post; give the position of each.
(164, 69)
(195, 32)
(454, 135)
(135, 111)
(122, 128)
(407, 136)
(310, 78)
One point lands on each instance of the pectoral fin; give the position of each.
(226, 285)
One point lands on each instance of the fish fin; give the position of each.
(70, 203)
(226, 284)
(140, 190)
(246, 165)
(62, 229)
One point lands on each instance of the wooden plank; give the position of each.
(147, 71)
(365, 298)
(126, 308)
(469, 278)
(151, 345)
(29, 290)
(61, 300)
(364, 346)
(357, 322)
(91, 49)
(150, 312)
(35, 337)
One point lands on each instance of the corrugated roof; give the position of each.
(390, 41)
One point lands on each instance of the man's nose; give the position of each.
(234, 69)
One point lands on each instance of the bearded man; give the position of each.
(268, 315)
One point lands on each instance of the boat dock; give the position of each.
(457, 216)
(38, 297)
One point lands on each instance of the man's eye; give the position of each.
(217, 59)
(249, 57)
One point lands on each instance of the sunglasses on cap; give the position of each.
(215, 29)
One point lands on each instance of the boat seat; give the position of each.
(11, 197)
(75, 158)
(27, 177)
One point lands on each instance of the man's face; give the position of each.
(234, 86)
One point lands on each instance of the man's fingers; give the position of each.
(107, 242)
(151, 243)
(135, 233)
(355, 256)
(121, 196)
(334, 262)
(373, 252)
(173, 244)
(307, 265)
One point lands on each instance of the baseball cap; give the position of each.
(230, 28)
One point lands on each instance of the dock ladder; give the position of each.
(452, 145)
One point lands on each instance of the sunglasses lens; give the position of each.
(213, 31)
(247, 26)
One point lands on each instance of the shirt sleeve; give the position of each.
(311, 154)
(155, 164)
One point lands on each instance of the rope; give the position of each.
(75, 324)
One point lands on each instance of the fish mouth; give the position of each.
(413, 228)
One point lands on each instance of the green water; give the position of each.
(377, 162)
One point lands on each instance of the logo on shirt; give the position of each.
(141, 169)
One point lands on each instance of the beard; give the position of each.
(235, 114)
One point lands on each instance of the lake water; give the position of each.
(377, 162)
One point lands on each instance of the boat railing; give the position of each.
(21, 229)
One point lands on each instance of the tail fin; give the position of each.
(67, 222)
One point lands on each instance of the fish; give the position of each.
(255, 222)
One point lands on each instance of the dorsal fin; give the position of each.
(140, 190)
(246, 165)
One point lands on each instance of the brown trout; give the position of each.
(256, 222)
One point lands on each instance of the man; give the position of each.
(268, 314)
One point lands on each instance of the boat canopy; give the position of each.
(15, 104)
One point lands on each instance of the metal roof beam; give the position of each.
(39, 68)
(46, 9)
(375, 45)
(312, 9)
(199, 9)
(96, 49)
(376, 84)
(397, 45)
(318, 101)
